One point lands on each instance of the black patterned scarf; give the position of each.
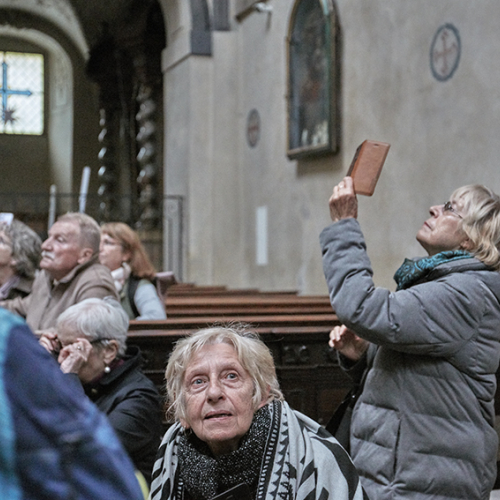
(205, 476)
(300, 461)
(412, 271)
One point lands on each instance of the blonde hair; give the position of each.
(253, 355)
(481, 221)
(139, 262)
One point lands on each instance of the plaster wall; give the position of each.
(188, 157)
(443, 134)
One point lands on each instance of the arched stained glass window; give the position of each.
(21, 93)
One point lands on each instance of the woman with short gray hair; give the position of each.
(90, 341)
(252, 353)
(99, 320)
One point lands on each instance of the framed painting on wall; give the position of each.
(313, 76)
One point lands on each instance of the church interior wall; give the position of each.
(227, 179)
(442, 132)
(249, 72)
(67, 145)
(442, 135)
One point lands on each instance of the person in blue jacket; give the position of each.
(54, 443)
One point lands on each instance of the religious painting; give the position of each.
(312, 79)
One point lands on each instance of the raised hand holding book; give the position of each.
(367, 164)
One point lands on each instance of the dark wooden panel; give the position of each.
(307, 368)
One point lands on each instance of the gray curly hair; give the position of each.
(98, 319)
(26, 247)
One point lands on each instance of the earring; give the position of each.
(107, 369)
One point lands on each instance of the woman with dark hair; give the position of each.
(122, 252)
(20, 254)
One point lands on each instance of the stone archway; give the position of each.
(47, 159)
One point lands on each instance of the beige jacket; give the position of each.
(49, 299)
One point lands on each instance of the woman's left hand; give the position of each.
(347, 342)
(343, 202)
(74, 356)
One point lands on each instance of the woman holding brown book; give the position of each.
(423, 426)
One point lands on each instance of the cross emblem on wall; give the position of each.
(445, 52)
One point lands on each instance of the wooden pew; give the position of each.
(307, 368)
(247, 303)
(245, 310)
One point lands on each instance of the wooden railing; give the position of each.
(295, 328)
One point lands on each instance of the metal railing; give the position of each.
(164, 244)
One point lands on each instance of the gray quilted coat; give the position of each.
(423, 427)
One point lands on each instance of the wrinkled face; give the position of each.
(6, 259)
(111, 253)
(218, 394)
(62, 251)
(442, 232)
(94, 366)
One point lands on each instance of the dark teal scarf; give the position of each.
(412, 271)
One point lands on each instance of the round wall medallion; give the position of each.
(253, 128)
(445, 52)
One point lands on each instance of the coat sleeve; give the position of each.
(136, 420)
(148, 303)
(356, 369)
(21, 305)
(18, 305)
(435, 318)
(49, 418)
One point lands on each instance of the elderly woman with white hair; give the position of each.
(233, 429)
(90, 341)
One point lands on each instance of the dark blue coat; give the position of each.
(54, 443)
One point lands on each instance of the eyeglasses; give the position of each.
(100, 341)
(103, 341)
(110, 243)
(448, 207)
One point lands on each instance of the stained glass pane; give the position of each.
(21, 93)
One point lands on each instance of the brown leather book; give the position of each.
(366, 166)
